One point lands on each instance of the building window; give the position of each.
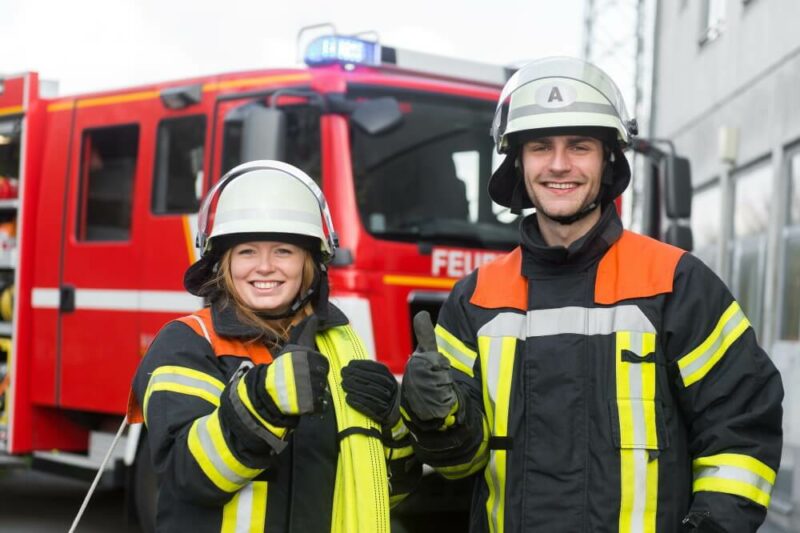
(712, 20)
(178, 176)
(706, 229)
(108, 166)
(790, 275)
(752, 196)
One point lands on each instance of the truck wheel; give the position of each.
(145, 488)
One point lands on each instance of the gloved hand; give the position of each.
(429, 398)
(370, 388)
(296, 380)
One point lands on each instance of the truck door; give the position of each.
(101, 248)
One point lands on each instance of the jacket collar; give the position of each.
(227, 324)
(538, 258)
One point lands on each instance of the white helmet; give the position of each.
(558, 92)
(266, 197)
(260, 197)
(559, 96)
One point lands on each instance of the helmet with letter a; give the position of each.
(559, 96)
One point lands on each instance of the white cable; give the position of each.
(99, 473)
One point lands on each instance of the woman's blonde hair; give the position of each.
(273, 331)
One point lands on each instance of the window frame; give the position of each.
(88, 140)
(156, 183)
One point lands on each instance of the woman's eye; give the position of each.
(283, 251)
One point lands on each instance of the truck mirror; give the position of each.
(678, 187)
(378, 115)
(263, 134)
(680, 236)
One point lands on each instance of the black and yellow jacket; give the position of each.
(614, 386)
(218, 473)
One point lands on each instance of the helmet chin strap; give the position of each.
(299, 302)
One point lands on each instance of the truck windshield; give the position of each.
(425, 180)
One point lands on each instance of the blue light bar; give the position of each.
(332, 49)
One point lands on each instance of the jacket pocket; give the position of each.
(637, 415)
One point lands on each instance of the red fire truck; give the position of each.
(99, 212)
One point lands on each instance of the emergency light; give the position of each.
(331, 49)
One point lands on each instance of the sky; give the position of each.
(89, 45)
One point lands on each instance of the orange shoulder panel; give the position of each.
(256, 351)
(501, 283)
(635, 267)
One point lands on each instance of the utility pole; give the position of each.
(618, 37)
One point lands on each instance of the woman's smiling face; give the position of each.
(267, 275)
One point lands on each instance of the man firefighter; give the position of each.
(596, 380)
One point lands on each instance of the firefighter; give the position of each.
(263, 410)
(595, 379)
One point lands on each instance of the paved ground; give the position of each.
(33, 502)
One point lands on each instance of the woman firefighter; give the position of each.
(263, 410)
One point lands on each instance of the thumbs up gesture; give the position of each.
(297, 378)
(429, 397)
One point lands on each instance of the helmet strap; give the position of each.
(301, 300)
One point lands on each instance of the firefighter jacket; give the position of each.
(612, 386)
(220, 471)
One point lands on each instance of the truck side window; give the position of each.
(178, 176)
(108, 165)
(302, 143)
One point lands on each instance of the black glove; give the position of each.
(295, 382)
(371, 389)
(429, 398)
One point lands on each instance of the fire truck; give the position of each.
(98, 201)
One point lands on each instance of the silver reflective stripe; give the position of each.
(492, 371)
(279, 367)
(504, 325)
(635, 392)
(293, 215)
(640, 458)
(244, 509)
(568, 320)
(732, 323)
(211, 453)
(181, 379)
(468, 360)
(734, 473)
(575, 107)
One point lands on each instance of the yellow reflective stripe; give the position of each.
(398, 453)
(207, 445)
(478, 461)
(259, 516)
(697, 363)
(246, 511)
(229, 513)
(241, 390)
(461, 357)
(183, 381)
(497, 364)
(281, 386)
(734, 473)
(206, 465)
(224, 452)
(636, 383)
